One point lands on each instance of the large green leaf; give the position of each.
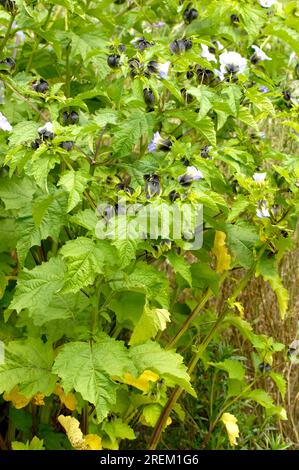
(36, 288)
(168, 364)
(84, 259)
(28, 365)
(90, 368)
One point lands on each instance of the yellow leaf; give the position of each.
(221, 252)
(18, 400)
(143, 381)
(67, 399)
(76, 437)
(38, 399)
(240, 308)
(93, 441)
(230, 422)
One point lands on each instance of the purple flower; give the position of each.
(264, 89)
(160, 24)
(158, 143)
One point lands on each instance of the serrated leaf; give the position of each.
(74, 182)
(23, 132)
(234, 368)
(28, 364)
(151, 321)
(36, 288)
(16, 192)
(167, 364)
(267, 268)
(241, 240)
(130, 133)
(88, 368)
(84, 260)
(180, 266)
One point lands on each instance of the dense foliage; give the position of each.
(143, 102)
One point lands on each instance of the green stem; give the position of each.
(190, 319)
(192, 316)
(196, 357)
(7, 34)
(37, 40)
(68, 75)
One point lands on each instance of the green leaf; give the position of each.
(130, 133)
(49, 214)
(37, 287)
(280, 382)
(87, 219)
(261, 397)
(241, 240)
(28, 364)
(74, 182)
(35, 444)
(16, 192)
(24, 131)
(116, 430)
(180, 266)
(267, 268)
(167, 364)
(207, 129)
(151, 321)
(84, 260)
(234, 368)
(88, 369)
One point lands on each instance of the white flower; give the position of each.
(206, 54)
(259, 54)
(48, 127)
(219, 46)
(232, 62)
(219, 74)
(163, 69)
(4, 124)
(259, 177)
(262, 212)
(267, 3)
(192, 174)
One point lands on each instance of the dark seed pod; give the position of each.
(46, 135)
(113, 61)
(180, 45)
(152, 67)
(263, 367)
(8, 62)
(36, 143)
(297, 70)
(212, 50)
(254, 59)
(204, 75)
(142, 44)
(188, 44)
(187, 97)
(67, 145)
(185, 161)
(189, 74)
(121, 48)
(41, 86)
(135, 66)
(287, 95)
(190, 15)
(9, 5)
(173, 195)
(205, 153)
(149, 96)
(165, 145)
(70, 118)
(123, 187)
(119, 2)
(152, 186)
(234, 19)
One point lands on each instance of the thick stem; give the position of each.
(7, 34)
